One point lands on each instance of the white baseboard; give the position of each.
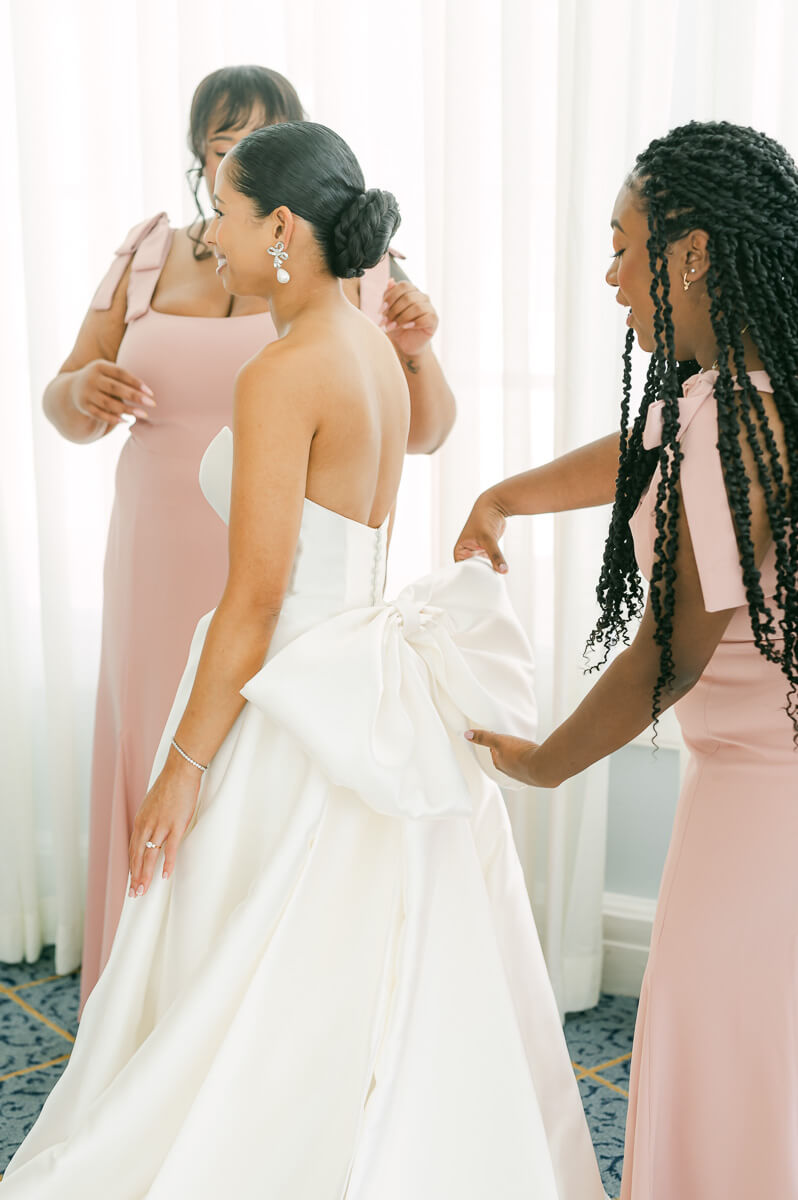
(627, 924)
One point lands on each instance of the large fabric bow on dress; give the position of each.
(396, 685)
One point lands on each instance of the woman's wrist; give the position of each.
(497, 498)
(414, 363)
(180, 767)
(73, 410)
(60, 406)
(541, 771)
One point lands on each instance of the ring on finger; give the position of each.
(152, 846)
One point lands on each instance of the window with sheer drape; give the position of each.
(505, 128)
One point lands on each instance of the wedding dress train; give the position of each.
(340, 993)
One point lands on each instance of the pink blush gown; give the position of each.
(713, 1105)
(166, 559)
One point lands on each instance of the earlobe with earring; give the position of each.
(687, 282)
(278, 253)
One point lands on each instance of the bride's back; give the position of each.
(330, 391)
(356, 455)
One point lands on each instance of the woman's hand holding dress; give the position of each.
(481, 532)
(581, 478)
(512, 755)
(619, 706)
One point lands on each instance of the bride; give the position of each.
(327, 982)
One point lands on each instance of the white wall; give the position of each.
(644, 787)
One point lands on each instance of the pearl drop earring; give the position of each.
(279, 255)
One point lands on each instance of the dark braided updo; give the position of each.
(312, 171)
(370, 220)
(741, 188)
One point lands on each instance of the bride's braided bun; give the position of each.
(311, 170)
(363, 232)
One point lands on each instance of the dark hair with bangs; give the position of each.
(228, 97)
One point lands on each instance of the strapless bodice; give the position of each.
(339, 563)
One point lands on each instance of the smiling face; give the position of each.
(630, 273)
(240, 240)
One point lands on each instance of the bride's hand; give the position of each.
(513, 756)
(162, 819)
(482, 531)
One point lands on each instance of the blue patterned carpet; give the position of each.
(38, 1022)
(600, 1043)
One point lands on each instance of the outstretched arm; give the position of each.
(619, 706)
(582, 478)
(410, 321)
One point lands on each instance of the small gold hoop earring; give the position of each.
(687, 281)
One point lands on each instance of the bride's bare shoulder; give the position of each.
(281, 377)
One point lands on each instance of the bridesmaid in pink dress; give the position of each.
(706, 502)
(162, 342)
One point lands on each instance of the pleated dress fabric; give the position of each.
(339, 994)
(166, 557)
(713, 1106)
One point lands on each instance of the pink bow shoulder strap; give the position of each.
(147, 244)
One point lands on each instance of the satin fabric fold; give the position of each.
(333, 998)
(447, 653)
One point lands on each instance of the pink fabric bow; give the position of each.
(694, 393)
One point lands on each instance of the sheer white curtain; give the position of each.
(505, 128)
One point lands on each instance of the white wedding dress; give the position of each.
(339, 994)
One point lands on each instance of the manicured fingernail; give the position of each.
(409, 325)
(469, 735)
(131, 892)
(145, 388)
(141, 414)
(392, 325)
(140, 890)
(146, 400)
(503, 568)
(165, 874)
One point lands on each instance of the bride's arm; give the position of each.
(274, 422)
